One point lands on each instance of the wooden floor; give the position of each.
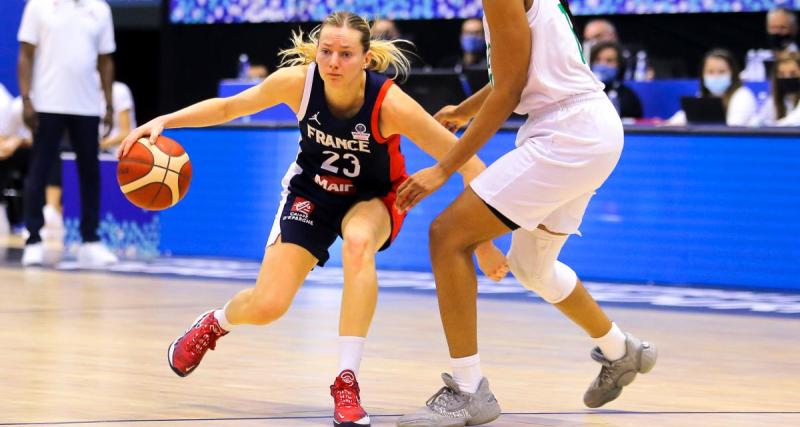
(89, 349)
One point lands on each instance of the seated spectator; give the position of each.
(608, 65)
(782, 31)
(15, 145)
(125, 116)
(385, 29)
(782, 107)
(255, 71)
(473, 47)
(720, 78)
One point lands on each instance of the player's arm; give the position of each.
(511, 50)
(401, 114)
(454, 117)
(283, 86)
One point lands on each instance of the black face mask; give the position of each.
(788, 85)
(779, 41)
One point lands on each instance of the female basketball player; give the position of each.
(343, 183)
(569, 145)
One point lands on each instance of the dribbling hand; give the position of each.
(151, 129)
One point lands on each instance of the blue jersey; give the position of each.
(345, 159)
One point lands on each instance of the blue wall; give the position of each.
(9, 24)
(684, 209)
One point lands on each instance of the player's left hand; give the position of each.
(491, 261)
(419, 186)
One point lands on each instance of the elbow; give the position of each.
(511, 92)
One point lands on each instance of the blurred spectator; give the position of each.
(385, 29)
(720, 78)
(473, 47)
(255, 71)
(125, 116)
(15, 143)
(782, 107)
(782, 30)
(596, 31)
(608, 65)
(61, 46)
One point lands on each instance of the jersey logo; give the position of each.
(314, 118)
(335, 184)
(361, 133)
(302, 206)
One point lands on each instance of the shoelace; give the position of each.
(442, 397)
(204, 341)
(344, 395)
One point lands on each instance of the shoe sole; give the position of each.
(350, 424)
(171, 349)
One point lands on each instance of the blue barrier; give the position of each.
(680, 208)
(660, 98)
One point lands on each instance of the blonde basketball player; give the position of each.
(343, 183)
(567, 148)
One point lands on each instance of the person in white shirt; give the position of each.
(720, 78)
(783, 107)
(63, 43)
(15, 143)
(125, 119)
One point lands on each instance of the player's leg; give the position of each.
(283, 270)
(454, 234)
(365, 228)
(297, 242)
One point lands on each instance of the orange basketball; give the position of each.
(155, 177)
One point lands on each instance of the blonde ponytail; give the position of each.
(387, 53)
(302, 52)
(384, 53)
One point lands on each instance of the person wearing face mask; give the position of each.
(608, 65)
(782, 108)
(782, 30)
(720, 78)
(473, 47)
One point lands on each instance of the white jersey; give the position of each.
(557, 68)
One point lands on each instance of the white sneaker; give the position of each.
(95, 254)
(53, 230)
(5, 227)
(33, 255)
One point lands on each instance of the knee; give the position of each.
(358, 247)
(266, 310)
(553, 281)
(444, 237)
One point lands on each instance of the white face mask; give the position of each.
(717, 84)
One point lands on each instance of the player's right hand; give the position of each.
(151, 130)
(450, 118)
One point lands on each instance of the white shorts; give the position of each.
(564, 153)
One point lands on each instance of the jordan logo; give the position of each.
(314, 118)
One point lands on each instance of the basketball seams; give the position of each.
(143, 166)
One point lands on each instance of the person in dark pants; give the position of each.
(62, 44)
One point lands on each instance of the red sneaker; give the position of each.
(347, 402)
(186, 352)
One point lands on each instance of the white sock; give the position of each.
(222, 319)
(612, 343)
(467, 372)
(350, 351)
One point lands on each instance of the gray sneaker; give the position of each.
(640, 357)
(450, 407)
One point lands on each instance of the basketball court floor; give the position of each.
(88, 348)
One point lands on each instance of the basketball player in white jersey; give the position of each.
(567, 148)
